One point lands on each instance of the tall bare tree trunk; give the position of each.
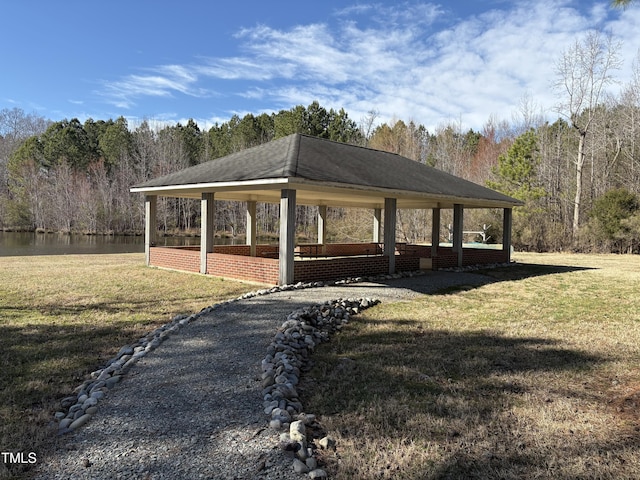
(583, 71)
(578, 198)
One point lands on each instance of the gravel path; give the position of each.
(193, 408)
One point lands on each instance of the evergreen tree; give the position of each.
(516, 176)
(608, 216)
(516, 171)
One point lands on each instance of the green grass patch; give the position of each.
(533, 376)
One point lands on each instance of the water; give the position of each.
(29, 243)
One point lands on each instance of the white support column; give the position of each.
(207, 226)
(377, 222)
(458, 221)
(390, 232)
(507, 223)
(435, 231)
(322, 227)
(287, 235)
(150, 225)
(251, 227)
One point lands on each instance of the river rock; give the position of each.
(66, 402)
(80, 421)
(97, 394)
(110, 382)
(126, 350)
(273, 404)
(298, 431)
(89, 402)
(327, 443)
(299, 467)
(64, 423)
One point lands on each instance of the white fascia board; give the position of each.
(399, 194)
(213, 186)
(335, 188)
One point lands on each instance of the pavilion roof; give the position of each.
(324, 172)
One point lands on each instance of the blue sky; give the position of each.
(167, 61)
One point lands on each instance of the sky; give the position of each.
(434, 63)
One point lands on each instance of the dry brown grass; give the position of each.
(62, 317)
(533, 376)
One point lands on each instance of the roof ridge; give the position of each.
(314, 137)
(290, 167)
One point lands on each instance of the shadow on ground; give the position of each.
(461, 394)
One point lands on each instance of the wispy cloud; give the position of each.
(410, 61)
(161, 81)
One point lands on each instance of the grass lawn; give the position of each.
(62, 317)
(534, 376)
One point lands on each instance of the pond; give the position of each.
(31, 243)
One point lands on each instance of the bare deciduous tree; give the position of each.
(583, 71)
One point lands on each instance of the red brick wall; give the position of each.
(337, 249)
(470, 256)
(264, 269)
(261, 250)
(477, 256)
(256, 269)
(423, 251)
(407, 263)
(232, 249)
(337, 268)
(233, 266)
(176, 258)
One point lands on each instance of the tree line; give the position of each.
(70, 176)
(578, 176)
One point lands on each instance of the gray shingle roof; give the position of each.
(321, 161)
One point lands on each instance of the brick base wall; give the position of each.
(256, 269)
(470, 256)
(177, 258)
(187, 259)
(233, 261)
(337, 268)
(270, 251)
(338, 249)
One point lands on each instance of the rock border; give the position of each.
(77, 409)
(286, 359)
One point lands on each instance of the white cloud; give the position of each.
(163, 81)
(410, 61)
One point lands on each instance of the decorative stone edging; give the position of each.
(77, 409)
(286, 360)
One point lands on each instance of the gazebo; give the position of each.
(304, 170)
